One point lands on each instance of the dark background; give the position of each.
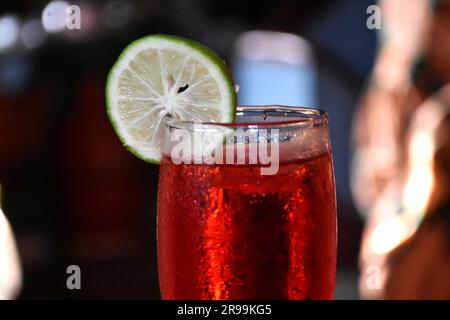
(74, 195)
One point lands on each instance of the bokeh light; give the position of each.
(9, 31)
(32, 34)
(54, 16)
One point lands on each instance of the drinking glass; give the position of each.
(239, 226)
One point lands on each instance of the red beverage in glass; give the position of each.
(227, 232)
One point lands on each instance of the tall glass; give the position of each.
(243, 227)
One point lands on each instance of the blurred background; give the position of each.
(74, 195)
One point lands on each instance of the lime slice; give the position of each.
(161, 75)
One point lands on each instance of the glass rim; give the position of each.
(302, 117)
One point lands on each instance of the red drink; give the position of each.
(228, 232)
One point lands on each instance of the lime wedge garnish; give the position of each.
(159, 75)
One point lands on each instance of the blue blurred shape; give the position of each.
(274, 68)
